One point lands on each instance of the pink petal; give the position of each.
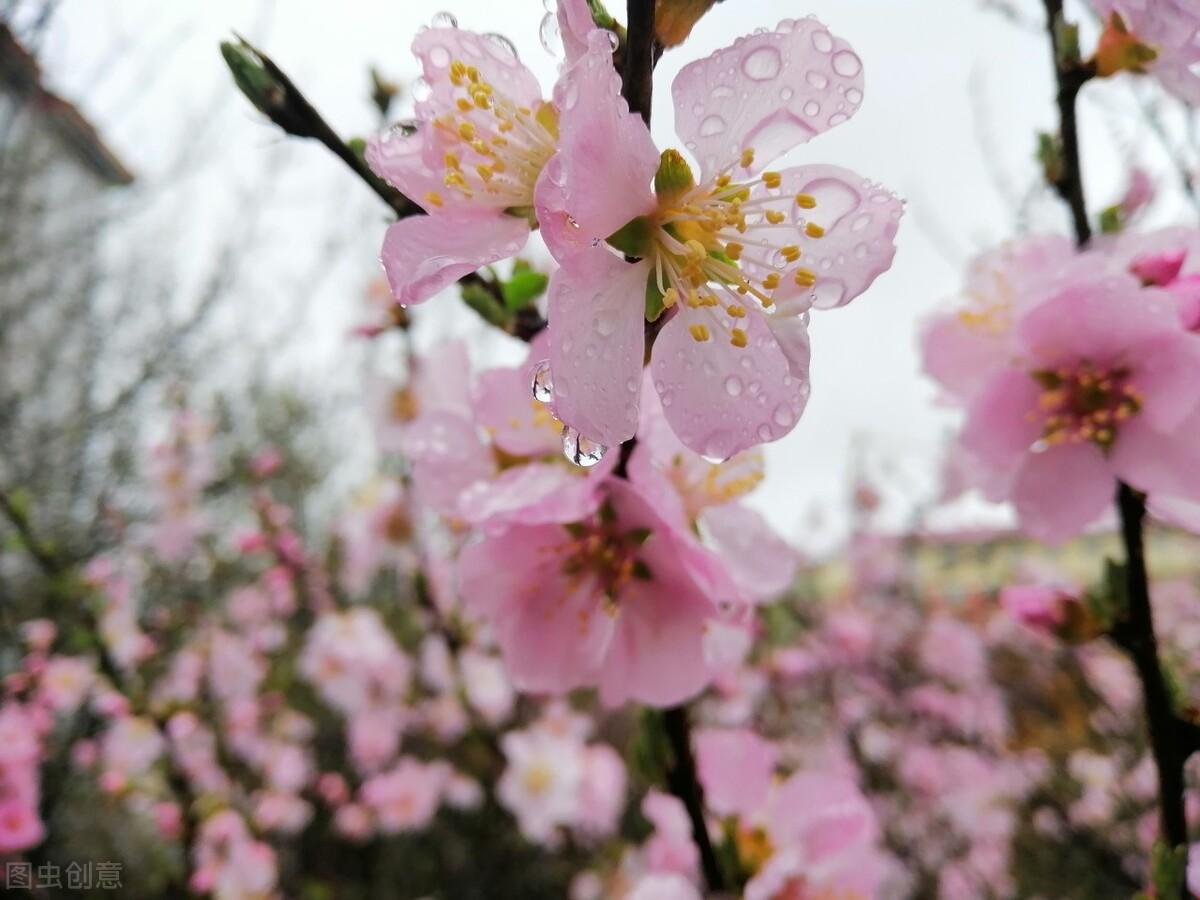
(533, 494)
(447, 457)
(1167, 374)
(597, 345)
(424, 254)
(720, 398)
(1077, 322)
(770, 92)
(437, 48)
(399, 159)
(574, 24)
(1158, 462)
(517, 423)
(1060, 492)
(961, 355)
(860, 220)
(601, 176)
(550, 628)
(760, 562)
(1003, 421)
(441, 379)
(736, 768)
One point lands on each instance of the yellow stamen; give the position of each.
(772, 179)
(747, 159)
(791, 252)
(806, 201)
(805, 277)
(434, 198)
(775, 217)
(813, 230)
(699, 332)
(734, 250)
(737, 337)
(771, 281)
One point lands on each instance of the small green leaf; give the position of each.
(483, 301)
(654, 299)
(525, 286)
(1110, 220)
(633, 238)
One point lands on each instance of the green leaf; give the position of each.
(633, 238)
(1168, 869)
(525, 286)
(483, 301)
(654, 299)
(1110, 220)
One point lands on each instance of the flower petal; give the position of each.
(1000, 425)
(398, 157)
(601, 176)
(551, 629)
(447, 457)
(761, 563)
(720, 398)
(857, 220)
(1168, 371)
(770, 92)
(574, 24)
(424, 254)
(518, 424)
(1157, 462)
(1060, 492)
(597, 345)
(533, 494)
(495, 60)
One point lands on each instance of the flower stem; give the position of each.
(682, 780)
(1171, 739)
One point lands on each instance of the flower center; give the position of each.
(538, 778)
(495, 149)
(1085, 403)
(706, 239)
(600, 551)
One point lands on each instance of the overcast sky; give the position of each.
(954, 96)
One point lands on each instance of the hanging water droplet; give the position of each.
(580, 450)
(502, 44)
(550, 6)
(444, 20)
(549, 35)
(420, 90)
(712, 460)
(613, 41)
(403, 128)
(542, 385)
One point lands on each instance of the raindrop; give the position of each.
(404, 128)
(444, 20)
(613, 41)
(712, 459)
(501, 47)
(822, 41)
(764, 432)
(846, 63)
(570, 95)
(711, 126)
(783, 416)
(580, 450)
(439, 56)
(733, 386)
(854, 95)
(420, 90)
(812, 108)
(542, 384)
(604, 323)
(762, 64)
(817, 79)
(550, 6)
(786, 94)
(549, 35)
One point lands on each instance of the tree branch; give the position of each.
(637, 78)
(1070, 77)
(682, 780)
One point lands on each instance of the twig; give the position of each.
(682, 780)
(1135, 633)
(47, 561)
(637, 81)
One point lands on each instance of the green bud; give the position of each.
(674, 176)
(484, 301)
(1110, 220)
(525, 286)
(1050, 155)
(252, 77)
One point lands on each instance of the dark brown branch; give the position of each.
(637, 78)
(1070, 77)
(1136, 636)
(682, 780)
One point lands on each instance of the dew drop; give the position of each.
(783, 416)
(846, 63)
(420, 90)
(854, 95)
(542, 385)
(722, 92)
(733, 386)
(613, 41)
(822, 41)
(439, 56)
(500, 47)
(817, 79)
(570, 95)
(786, 94)
(812, 108)
(444, 20)
(549, 36)
(764, 432)
(762, 64)
(712, 125)
(580, 450)
(604, 323)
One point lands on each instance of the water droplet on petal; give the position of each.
(604, 323)
(846, 63)
(817, 79)
(712, 125)
(762, 64)
(580, 450)
(439, 56)
(812, 108)
(420, 90)
(854, 95)
(822, 41)
(501, 47)
(733, 386)
(783, 416)
(444, 20)
(542, 384)
(613, 41)
(549, 35)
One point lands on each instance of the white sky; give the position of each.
(944, 80)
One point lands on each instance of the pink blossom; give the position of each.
(471, 160)
(353, 821)
(1085, 404)
(731, 362)
(486, 685)
(736, 768)
(406, 797)
(1171, 29)
(618, 600)
(670, 848)
(601, 791)
(664, 887)
(1041, 607)
(20, 826)
(541, 782)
